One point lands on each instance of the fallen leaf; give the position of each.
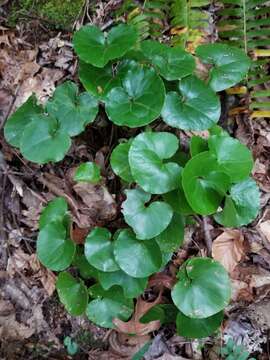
(134, 326)
(228, 249)
(44, 275)
(265, 229)
(126, 345)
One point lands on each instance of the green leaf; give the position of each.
(233, 158)
(133, 104)
(88, 172)
(98, 81)
(94, 48)
(197, 107)
(98, 250)
(72, 111)
(72, 346)
(203, 288)
(177, 200)
(42, 141)
(230, 64)
(119, 161)
(132, 287)
(72, 293)
(54, 249)
(173, 236)
(108, 306)
(147, 222)
(204, 184)
(197, 145)
(146, 155)
(136, 258)
(56, 210)
(241, 206)
(172, 63)
(86, 270)
(198, 328)
(165, 313)
(18, 121)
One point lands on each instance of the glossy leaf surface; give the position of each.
(136, 258)
(173, 236)
(146, 158)
(203, 288)
(195, 107)
(88, 172)
(119, 161)
(56, 210)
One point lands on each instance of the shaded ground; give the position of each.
(35, 58)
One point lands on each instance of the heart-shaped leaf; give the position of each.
(133, 104)
(203, 288)
(98, 81)
(98, 250)
(72, 293)
(94, 47)
(42, 141)
(172, 237)
(196, 107)
(241, 206)
(109, 305)
(147, 222)
(198, 328)
(136, 258)
(230, 64)
(86, 270)
(72, 111)
(18, 121)
(88, 172)
(54, 249)
(204, 184)
(119, 161)
(233, 158)
(146, 155)
(172, 63)
(56, 210)
(132, 287)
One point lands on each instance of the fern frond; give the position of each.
(189, 22)
(246, 24)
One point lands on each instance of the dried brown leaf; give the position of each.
(265, 229)
(228, 249)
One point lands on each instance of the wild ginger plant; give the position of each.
(139, 82)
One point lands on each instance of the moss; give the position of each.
(59, 13)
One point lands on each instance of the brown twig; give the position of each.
(207, 235)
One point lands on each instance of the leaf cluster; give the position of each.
(137, 82)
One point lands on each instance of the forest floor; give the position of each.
(35, 56)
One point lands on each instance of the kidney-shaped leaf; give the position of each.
(203, 288)
(72, 293)
(146, 155)
(136, 258)
(56, 210)
(196, 107)
(86, 270)
(72, 111)
(98, 81)
(42, 141)
(17, 122)
(234, 158)
(88, 172)
(147, 222)
(119, 161)
(54, 249)
(132, 287)
(98, 250)
(204, 184)
(94, 47)
(172, 63)
(109, 305)
(230, 64)
(241, 206)
(198, 328)
(177, 200)
(139, 100)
